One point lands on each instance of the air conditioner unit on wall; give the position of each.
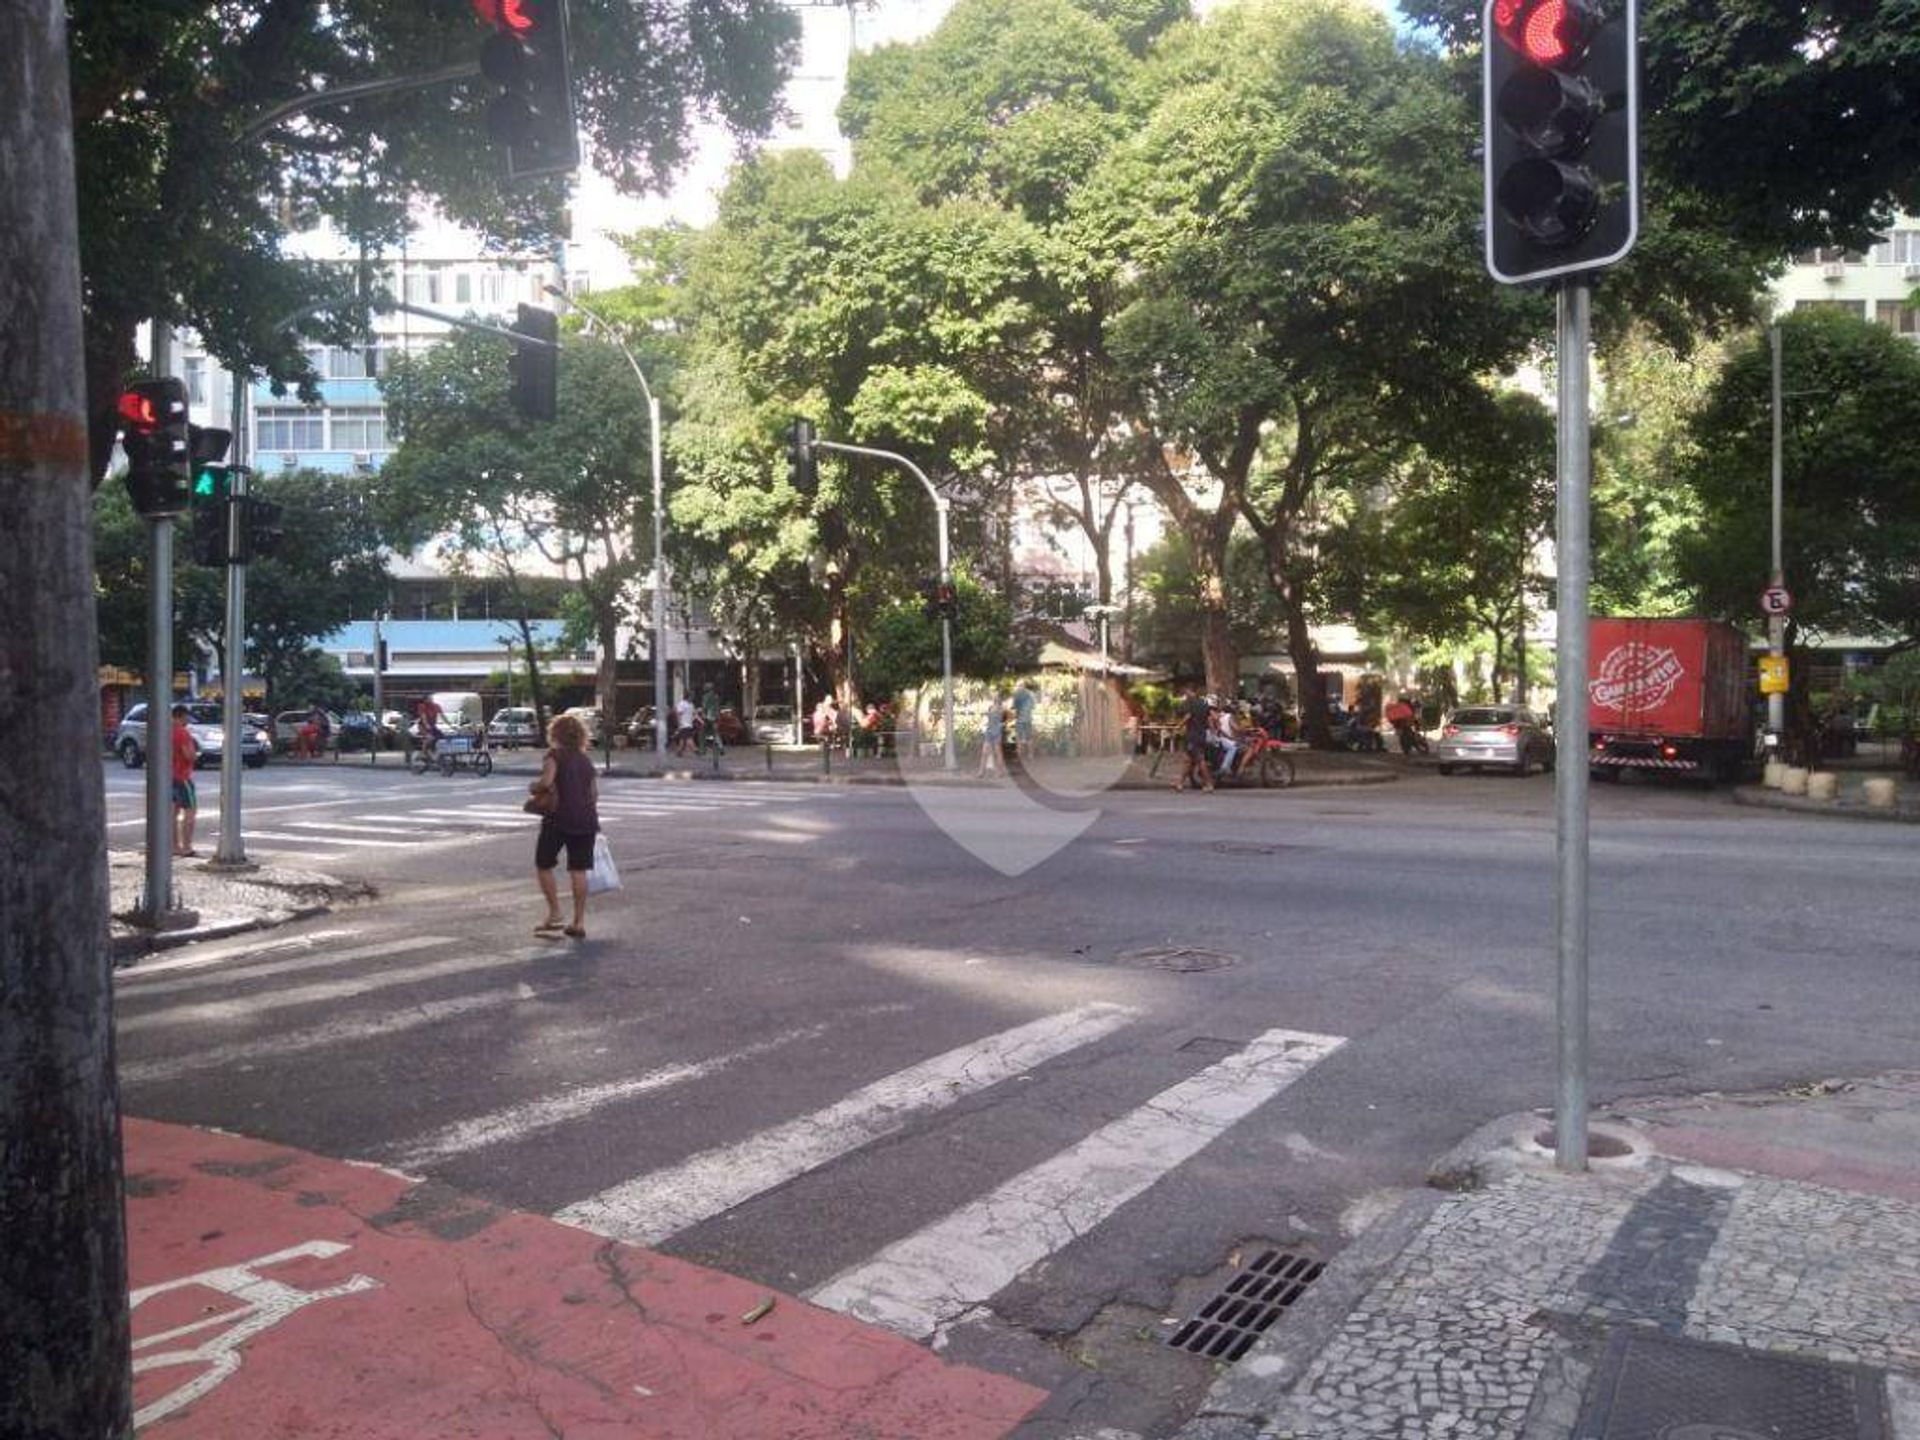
(1833, 269)
(289, 459)
(363, 459)
(1912, 272)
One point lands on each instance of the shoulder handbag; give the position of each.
(542, 798)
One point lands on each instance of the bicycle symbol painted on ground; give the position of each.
(264, 1304)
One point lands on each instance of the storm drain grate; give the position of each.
(1182, 959)
(1228, 1324)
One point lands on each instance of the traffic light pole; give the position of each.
(231, 854)
(156, 908)
(949, 756)
(1570, 775)
(1777, 624)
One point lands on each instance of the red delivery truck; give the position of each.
(1668, 696)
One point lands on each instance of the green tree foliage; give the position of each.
(903, 642)
(1447, 555)
(1173, 619)
(1774, 126)
(1851, 479)
(572, 497)
(1311, 300)
(184, 207)
(330, 567)
(1642, 509)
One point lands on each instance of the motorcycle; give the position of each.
(1261, 760)
(1412, 742)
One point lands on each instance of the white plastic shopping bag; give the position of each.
(604, 875)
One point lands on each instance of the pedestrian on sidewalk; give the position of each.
(1024, 699)
(570, 825)
(1197, 713)
(710, 718)
(683, 724)
(993, 735)
(186, 754)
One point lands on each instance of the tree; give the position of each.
(185, 198)
(852, 304)
(1446, 555)
(573, 496)
(1311, 302)
(64, 1333)
(903, 644)
(1851, 479)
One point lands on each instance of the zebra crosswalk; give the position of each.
(257, 1017)
(390, 824)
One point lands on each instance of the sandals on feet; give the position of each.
(547, 929)
(574, 932)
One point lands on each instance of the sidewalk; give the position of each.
(1743, 1267)
(216, 904)
(1851, 801)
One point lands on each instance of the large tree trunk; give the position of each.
(64, 1339)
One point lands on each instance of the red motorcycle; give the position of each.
(1261, 760)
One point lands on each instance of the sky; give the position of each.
(829, 31)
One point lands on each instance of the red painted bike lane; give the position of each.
(281, 1294)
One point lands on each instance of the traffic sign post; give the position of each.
(1776, 599)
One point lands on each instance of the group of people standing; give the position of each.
(1019, 707)
(695, 729)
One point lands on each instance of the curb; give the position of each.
(1758, 797)
(1237, 1405)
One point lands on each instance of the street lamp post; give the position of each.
(659, 528)
(1776, 624)
(949, 757)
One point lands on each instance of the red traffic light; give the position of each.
(137, 412)
(509, 15)
(1547, 32)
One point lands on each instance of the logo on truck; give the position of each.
(1643, 674)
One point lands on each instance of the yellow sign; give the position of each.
(1773, 675)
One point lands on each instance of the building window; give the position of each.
(196, 367)
(463, 289)
(490, 289)
(1828, 255)
(359, 427)
(1900, 318)
(1902, 247)
(290, 427)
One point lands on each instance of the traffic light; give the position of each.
(260, 530)
(153, 433)
(1562, 142)
(211, 507)
(803, 462)
(534, 372)
(526, 56)
(946, 600)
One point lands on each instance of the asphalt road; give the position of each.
(820, 1042)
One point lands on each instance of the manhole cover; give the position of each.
(1658, 1387)
(1228, 1324)
(1246, 847)
(1184, 958)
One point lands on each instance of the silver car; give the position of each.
(1504, 737)
(773, 725)
(204, 723)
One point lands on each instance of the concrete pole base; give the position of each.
(1881, 792)
(1794, 781)
(1823, 785)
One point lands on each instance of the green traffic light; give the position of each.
(205, 485)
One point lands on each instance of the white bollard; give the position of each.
(1775, 774)
(1823, 785)
(1794, 781)
(1880, 793)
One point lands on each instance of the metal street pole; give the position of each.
(1570, 776)
(659, 645)
(1777, 624)
(231, 853)
(949, 755)
(156, 908)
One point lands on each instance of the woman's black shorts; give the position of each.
(546, 850)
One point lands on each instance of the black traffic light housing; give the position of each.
(1562, 142)
(803, 460)
(531, 118)
(534, 371)
(261, 530)
(946, 600)
(154, 435)
(209, 495)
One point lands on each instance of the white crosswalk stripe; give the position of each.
(647, 1209)
(932, 1278)
(920, 1284)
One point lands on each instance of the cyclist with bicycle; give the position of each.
(428, 713)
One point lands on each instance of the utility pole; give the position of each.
(231, 853)
(64, 1336)
(1777, 624)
